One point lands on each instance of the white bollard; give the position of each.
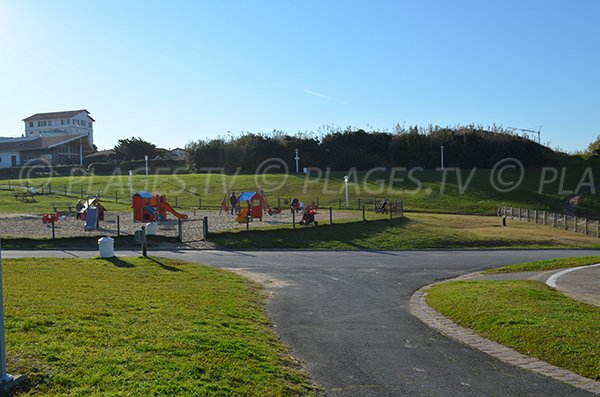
(106, 247)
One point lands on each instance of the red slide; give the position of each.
(167, 207)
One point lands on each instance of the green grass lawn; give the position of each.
(143, 327)
(422, 190)
(527, 316)
(414, 231)
(546, 264)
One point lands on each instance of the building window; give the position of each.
(31, 123)
(68, 121)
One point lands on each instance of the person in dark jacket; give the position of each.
(233, 202)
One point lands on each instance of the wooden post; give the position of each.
(575, 224)
(364, 218)
(585, 224)
(118, 225)
(248, 218)
(180, 230)
(566, 225)
(519, 214)
(554, 219)
(330, 216)
(545, 219)
(205, 227)
(144, 251)
(53, 235)
(293, 219)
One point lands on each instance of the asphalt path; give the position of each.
(345, 315)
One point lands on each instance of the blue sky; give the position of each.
(172, 72)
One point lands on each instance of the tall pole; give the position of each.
(346, 183)
(297, 158)
(131, 182)
(4, 377)
(442, 156)
(146, 158)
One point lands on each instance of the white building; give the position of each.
(71, 122)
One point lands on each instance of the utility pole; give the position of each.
(297, 158)
(346, 182)
(442, 156)
(146, 158)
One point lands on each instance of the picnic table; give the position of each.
(26, 197)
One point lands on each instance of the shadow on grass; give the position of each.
(164, 266)
(118, 262)
(355, 235)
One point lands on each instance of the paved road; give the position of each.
(345, 314)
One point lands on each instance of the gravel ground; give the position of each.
(27, 225)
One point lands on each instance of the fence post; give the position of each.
(519, 214)
(330, 216)
(180, 230)
(118, 225)
(535, 216)
(364, 218)
(554, 219)
(401, 208)
(53, 235)
(293, 219)
(575, 224)
(144, 251)
(566, 225)
(585, 222)
(205, 227)
(545, 220)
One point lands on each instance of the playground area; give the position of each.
(30, 225)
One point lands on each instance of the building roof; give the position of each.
(42, 142)
(57, 115)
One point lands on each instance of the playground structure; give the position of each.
(255, 207)
(92, 213)
(152, 208)
(308, 216)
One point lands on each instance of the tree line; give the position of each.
(464, 147)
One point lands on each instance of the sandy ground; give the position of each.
(27, 225)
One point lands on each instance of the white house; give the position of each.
(71, 122)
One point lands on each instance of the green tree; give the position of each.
(134, 149)
(594, 147)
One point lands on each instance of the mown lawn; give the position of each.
(464, 191)
(142, 327)
(527, 316)
(546, 264)
(414, 231)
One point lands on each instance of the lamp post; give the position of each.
(346, 183)
(146, 158)
(4, 377)
(131, 182)
(297, 158)
(442, 156)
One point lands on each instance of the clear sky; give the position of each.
(172, 72)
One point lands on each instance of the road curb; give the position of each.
(420, 309)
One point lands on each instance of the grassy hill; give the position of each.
(465, 191)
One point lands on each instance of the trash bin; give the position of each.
(106, 246)
(151, 228)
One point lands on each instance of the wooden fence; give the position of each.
(552, 219)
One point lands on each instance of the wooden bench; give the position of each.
(26, 197)
(57, 205)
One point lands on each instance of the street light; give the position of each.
(131, 182)
(297, 158)
(146, 158)
(346, 182)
